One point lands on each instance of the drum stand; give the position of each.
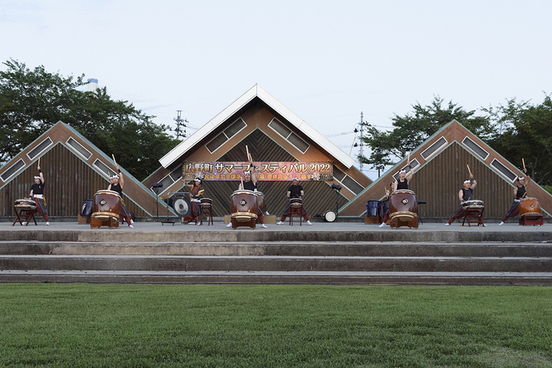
(26, 211)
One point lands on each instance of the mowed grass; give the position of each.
(83, 325)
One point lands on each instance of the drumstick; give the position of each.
(241, 177)
(522, 160)
(248, 155)
(469, 169)
(114, 159)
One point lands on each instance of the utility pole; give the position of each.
(181, 125)
(361, 149)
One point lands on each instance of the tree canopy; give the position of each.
(524, 130)
(413, 129)
(32, 101)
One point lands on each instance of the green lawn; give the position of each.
(76, 325)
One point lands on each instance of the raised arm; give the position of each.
(473, 182)
(121, 178)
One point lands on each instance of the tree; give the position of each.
(413, 129)
(32, 101)
(525, 132)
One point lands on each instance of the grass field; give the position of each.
(81, 325)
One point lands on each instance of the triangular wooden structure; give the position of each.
(440, 169)
(74, 169)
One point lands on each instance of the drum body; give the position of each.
(473, 204)
(25, 203)
(244, 208)
(296, 202)
(383, 208)
(261, 201)
(529, 205)
(372, 208)
(403, 208)
(530, 212)
(106, 209)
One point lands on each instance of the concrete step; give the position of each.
(274, 263)
(262, 236)
(279, 248)
(279, 277)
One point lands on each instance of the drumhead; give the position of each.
(329, 216)
(182, 207)
(244, 191)
(399, 191)
(110, 192)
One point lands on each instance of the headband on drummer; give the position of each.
(115, 177)
(520, 178)
(402, 171)
(37, 177)
(467, 181)
(248, 172)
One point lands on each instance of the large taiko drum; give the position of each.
(530, 212)
(403, 208)
(106, 209)
(244, 208)
(529, 205)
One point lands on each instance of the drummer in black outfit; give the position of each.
(519, 193)
(116, 185)
(250, 183)
(294, 191)
(37, 195)
(404, 180)
(465, 194)
(402, 183)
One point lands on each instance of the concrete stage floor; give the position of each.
(317, 227)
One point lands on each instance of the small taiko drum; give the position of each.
(244, 208)
(260, 201)
(529, 205)
(296, 202)
(473, 205)
(106, 209)
(25, 203)
(403, 208)
(206, 202)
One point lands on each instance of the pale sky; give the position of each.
(325, 60)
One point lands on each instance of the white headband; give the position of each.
(467, 181)
(247, 172)
(37, 177)
(402, 170)
(114, 176)
(521, 178)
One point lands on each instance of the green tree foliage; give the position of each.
(413, 129)
(31, 101)
(525, 131)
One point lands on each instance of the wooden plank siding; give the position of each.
(68, 182)
(440, 179)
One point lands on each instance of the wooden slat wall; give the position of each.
(68, 182)
(439, 181)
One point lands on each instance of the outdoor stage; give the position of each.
(325, 253)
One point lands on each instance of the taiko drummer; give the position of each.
(465, 194)
(519, 193)
(294, 191)
(250, 183)
(117, 184)
(402, 183)
(196, 193)
(37, 194)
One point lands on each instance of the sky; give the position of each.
(327, 61)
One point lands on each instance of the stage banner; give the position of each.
(266, 171)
